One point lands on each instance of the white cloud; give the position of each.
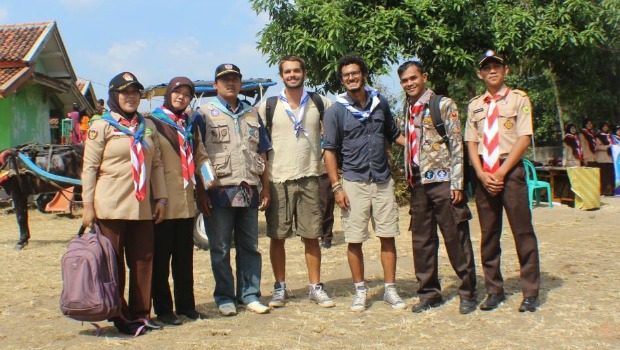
(4, 14)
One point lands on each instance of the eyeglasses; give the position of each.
(355, 74)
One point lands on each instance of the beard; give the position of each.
(296, 85)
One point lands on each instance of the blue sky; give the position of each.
(156, 40)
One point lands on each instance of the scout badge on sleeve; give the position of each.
(208, 176)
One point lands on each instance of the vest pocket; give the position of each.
(222, 165)
(219, 133)
(257, 164)
(253, 130)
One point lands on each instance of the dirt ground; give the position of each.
(580, 296)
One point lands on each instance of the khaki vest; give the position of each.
(233, 153)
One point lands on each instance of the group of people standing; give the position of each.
(140, 175)
(592, 148)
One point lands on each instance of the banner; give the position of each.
(615, 156)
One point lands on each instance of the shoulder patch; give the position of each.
(520, 92)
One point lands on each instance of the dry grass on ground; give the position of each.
(580, 296)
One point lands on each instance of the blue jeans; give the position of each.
(244, 223)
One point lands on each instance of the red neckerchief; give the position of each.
(590, 137)
(573, 142)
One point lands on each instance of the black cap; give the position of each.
(123, 80)
(490, 55)
(227, 68)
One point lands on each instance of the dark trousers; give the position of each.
(514, 199)
(174, 247)
(327, 207)
(608, 178)
(133, 241)
(431, 206)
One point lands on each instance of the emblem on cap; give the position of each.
(489, 53)
(228, 66)
(128, 77)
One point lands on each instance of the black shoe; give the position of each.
(467, 306)
(193, 315)
(492, 301)
(426, 304)
(169, 319)
(529, 304)
(153, 325)
(131, 328)
(326, 244)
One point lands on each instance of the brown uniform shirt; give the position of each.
(107, 178)
(515, 119)
(181, 203)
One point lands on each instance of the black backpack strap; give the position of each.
(318, 102)
(436, 117)
(270, 105)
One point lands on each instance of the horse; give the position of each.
(21, 180)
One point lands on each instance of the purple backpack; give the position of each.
(90, 278)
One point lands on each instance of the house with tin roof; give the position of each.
(38, 85)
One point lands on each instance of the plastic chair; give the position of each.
(534, 184)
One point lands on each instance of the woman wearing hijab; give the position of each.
(573, 154)
(174, 240)
(122, 168)
(604, 161)
(588, 144)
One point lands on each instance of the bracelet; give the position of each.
(162, 201)
(337, 188)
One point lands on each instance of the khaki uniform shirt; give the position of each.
(588, 155)
(233, 153)
(181, 203)
(515, 119)
(107, 178)
(569, 159)
(602, 152)
(438, 163)
(293, 157)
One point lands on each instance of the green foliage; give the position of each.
(564, 53)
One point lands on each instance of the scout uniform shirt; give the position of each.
(437, 162)
(181, 203)
(515, 119)
(107, 178)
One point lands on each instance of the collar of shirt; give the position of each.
(501, 91)
(228, 106)
(356, 104)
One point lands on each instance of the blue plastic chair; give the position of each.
(534, 184)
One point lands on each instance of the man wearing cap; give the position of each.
(237, 145)
(174, 242)
(294, 166)
(434, 167)
(498, 132)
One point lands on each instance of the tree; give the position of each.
(572, 45)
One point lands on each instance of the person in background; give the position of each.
(604, 161)
(237, 144)
(587, 138)
(174, 239)
(328, 202)
(358, 127)
(294, 165)
(122, 171)
(615, 137)
(499, 131)
(572, 154)
(75, 116)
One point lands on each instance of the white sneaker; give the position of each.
(228, 309)
(391, 297)
(279, 297)
(257, 307)
(359, 302)
(319, 296)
